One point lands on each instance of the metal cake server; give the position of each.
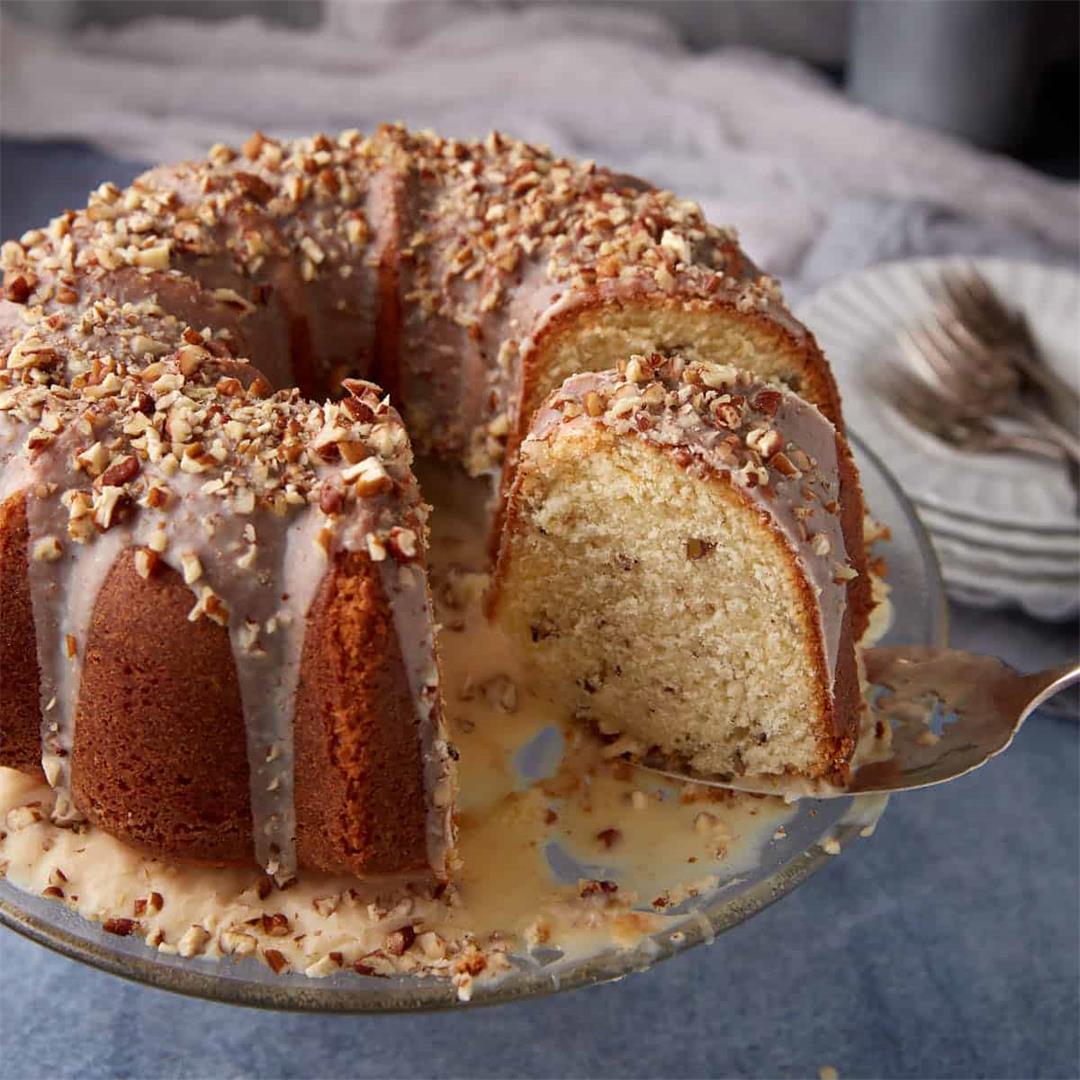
(948, 711)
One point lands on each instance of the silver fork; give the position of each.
(976, 379)
(975, 302)
(939, 416)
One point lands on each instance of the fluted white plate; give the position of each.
(998, 562)
(986, 578)
(1059, 548)
(856, 320)
(990, 566)
(1046, 600)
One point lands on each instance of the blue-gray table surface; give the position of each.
(946, 945)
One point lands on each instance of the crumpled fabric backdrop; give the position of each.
(760, 141)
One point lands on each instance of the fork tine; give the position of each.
(960, 297)
(988, 317)
(998, 316)
(926, 410)
(913, 399)
(925, 407)
(975, 303)
(902, 386)
(948, 363)
(956, 336)
(971, 369)
(980, 355)
(983, 293)
(987, 366)
(928, 365)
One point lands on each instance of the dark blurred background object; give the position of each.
(1001, 74)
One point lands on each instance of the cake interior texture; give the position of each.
(658, 609)
(679, 572)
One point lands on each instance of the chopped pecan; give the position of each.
(399, 941)
(119, 472)
(254, 187)
(17, 287)
(120, 927)
(767, 401)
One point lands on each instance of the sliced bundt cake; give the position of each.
(166, 517)
(677, 567)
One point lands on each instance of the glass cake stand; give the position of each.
(918, 618)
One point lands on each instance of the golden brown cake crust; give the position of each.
(20, 705)
(360, 802)
(174, 781)
(160, 757)
(811, 377)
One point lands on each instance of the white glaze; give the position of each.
(407, 591)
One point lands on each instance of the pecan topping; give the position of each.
(16, 287)
(119, 472)
(767, 401)
(254, 187)
(398, 942)
(276, 960)
(120, 927)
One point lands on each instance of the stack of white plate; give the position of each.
(1005, 525)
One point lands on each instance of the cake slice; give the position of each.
(676, 568)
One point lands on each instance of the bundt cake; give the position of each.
(682, 493)
(216, 635)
